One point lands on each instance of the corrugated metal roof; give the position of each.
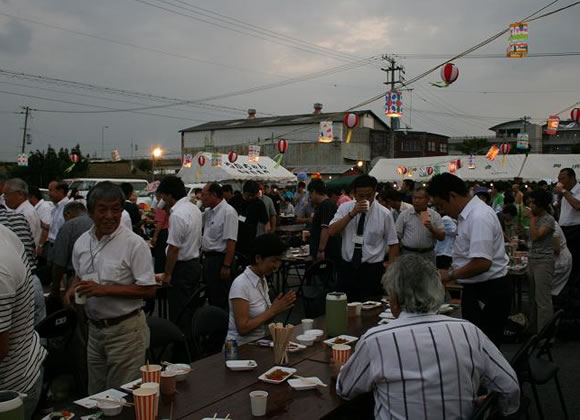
(298, 119)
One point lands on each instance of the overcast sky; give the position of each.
(138, 47)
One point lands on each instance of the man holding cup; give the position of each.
(368, 233)
(114, 272)
(568, 191)
(420, 227)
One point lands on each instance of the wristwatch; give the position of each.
(564, 191)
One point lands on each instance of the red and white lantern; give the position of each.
(401, 170)
(429, 170)
(575, 115)
(505, 148)
(458, 164)
(449, 73)
(74, 158)
(351, 120)
(201, 160)
(232, 157)
(282, 146)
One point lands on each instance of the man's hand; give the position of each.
(225, 273)
(361, 206)
(91, 289)
(335, 366)
(558, 188)
(444, 276)
(428, 225)
(163, 278)
(68, 298)
(321, 255)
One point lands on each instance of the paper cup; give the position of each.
(150, 373)
(80, 300)
(341, 352)
(367, 205)
(259, 402)
(424, 216)
(307, 324)
(168, 382)
(154, 386)
(145, 403)
(354, 308)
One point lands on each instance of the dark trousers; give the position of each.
(159, 252)
(217, 289)
(487, 305)
(443, 262)
(184, 281)
(572, 234)
(363, 283)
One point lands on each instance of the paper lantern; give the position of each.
(254, 153)
(232, 157)
(492, 153)
(216, 160)
(449, 74)
(302, 176)
(22, 159)
(325, 135)
(186, 162)
(505, 148)
(429, 170)
(394, 104)
(518, 41)
(458, 164)
(316, 175)
(74, 158)
(201, 160)
(401, 170)
(471, 162)
(351, 120)
(523, 141)
(552, 126)
(575, 115)
(452, 166)
(282, 146)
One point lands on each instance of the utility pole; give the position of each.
(394, 72)
(26, 115)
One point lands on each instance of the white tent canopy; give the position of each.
(534, 167)
(241, 170)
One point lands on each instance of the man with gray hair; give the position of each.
(422, 361)
(114, 272)
(16, 197)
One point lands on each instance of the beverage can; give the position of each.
(231, 350)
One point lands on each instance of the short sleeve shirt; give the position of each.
(185, 223)
(220, 225)
(66, 238)
(568, 215)
(323, 215)
(250, 213)
(542, 248)
(412, 232)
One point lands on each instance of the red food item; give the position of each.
(277, 375)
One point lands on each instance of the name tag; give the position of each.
(94, 277)
(242, 218)
(357, 239)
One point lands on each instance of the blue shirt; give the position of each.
(445, 247)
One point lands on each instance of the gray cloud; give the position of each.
(15, 38)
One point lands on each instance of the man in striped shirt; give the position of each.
(424, 365)
(21, 354)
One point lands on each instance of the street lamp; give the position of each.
(360, 163)
(157, 152)
(103, 141)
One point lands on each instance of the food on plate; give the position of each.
(277, 375)
(340, 340)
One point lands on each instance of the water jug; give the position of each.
(336, 314)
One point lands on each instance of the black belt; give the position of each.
(104, 323)
(418, 250)
(213, 254)
(187, 261)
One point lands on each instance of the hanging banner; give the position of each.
(254, 153)
(471, 162)
(552, 126)
(22, 159)
(394, 104)
(115, 155)
(186, 163)
(523, 141)
(216, 160)
(325, 135)
(518, 41)
(492, 153)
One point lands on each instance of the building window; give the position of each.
(411, 146)
(431, 146)
(443, 147)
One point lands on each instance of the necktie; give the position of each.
(357, 254)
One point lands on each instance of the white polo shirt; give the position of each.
(379, 232)
(185, 223)
(251, 288)
(121, 258)
(27, 210)
(220, 224)
(569, 216)
(44, 210)
(479, 235)
(57, 217)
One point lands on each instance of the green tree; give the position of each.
(473, 146)
(45, 166)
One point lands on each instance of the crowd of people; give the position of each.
(103, 248)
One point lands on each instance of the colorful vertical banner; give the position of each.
(471, 162)
(186, 163)
(216, 160)
(492, 153)
(254, 153)
(523, 141)
(518, 41)
(552, 126)
(115, 155)
(325, 135)
(22, 159)
(394, 104)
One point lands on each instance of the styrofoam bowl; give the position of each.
(181, 371)
(110, 409)
(306, 340)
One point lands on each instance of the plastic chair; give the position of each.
(316, 283)
(209, 329)
(165, 333)
(534, 363)
(196, 301)
(57, 329)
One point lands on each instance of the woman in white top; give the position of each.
(563, 262)
(250, 305)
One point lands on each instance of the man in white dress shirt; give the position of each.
(114, 270)
(16, 196)
(57, 190)
(568, 191)
(220, 232)
(368, 233)
(183, 268)
(43, 209)
(480, 263)
(424, 365)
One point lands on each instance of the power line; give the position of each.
(419, 56)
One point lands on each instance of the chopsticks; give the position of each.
(310, 381)
(105, 400)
